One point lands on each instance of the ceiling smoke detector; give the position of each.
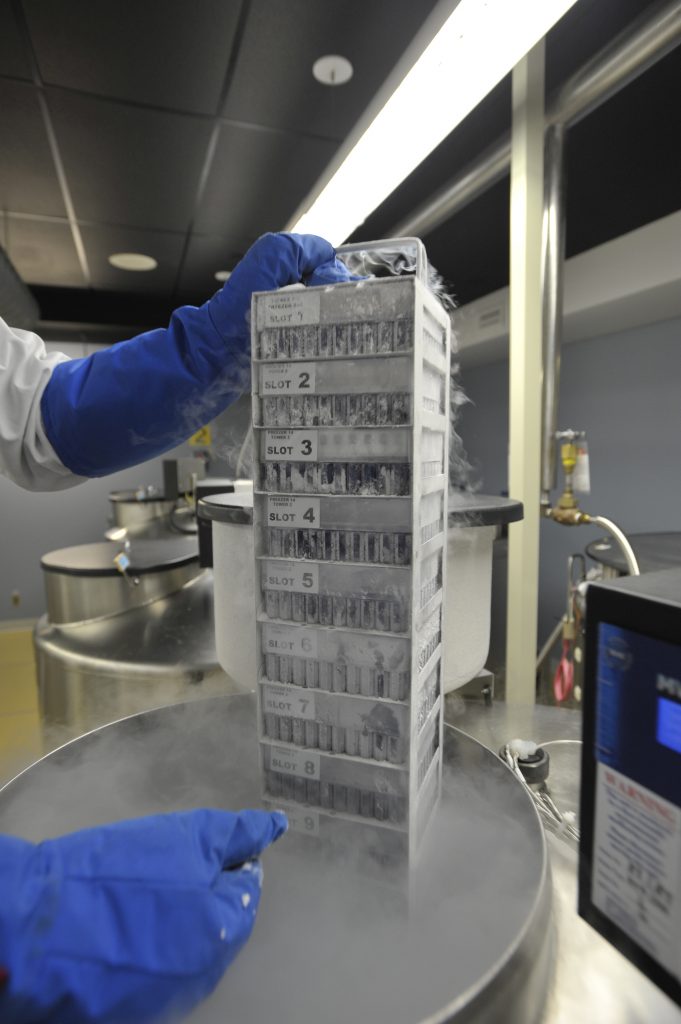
(332, 70)
(132, 261)
(223, 275)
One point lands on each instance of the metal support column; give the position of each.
(527, 202)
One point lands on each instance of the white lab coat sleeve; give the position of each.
(26, 455)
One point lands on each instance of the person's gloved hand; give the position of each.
(128, 922)
(137, 399)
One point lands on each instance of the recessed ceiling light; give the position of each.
(332, 70)
(223, 275)
(132, 261)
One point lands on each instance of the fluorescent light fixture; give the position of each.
(132, 261)
(481, 41)
(223, 275)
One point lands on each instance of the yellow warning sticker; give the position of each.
(203, 438)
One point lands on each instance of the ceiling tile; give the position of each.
(101, 241)
(257, 181)
(13, 57)
(167, 53)
(273, 82)
(43, 252)
(127, 165)
(28, 183)
(205, 255)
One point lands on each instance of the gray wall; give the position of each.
(625, 390)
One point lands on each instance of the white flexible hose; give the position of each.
(620, 537)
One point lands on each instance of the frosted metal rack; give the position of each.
(350, 417)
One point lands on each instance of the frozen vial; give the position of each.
(354, 612)
(295, 342)
(288, 543)
(355, 341)
(400, 408)
(273, 783)
(354, 478)
(285, 729)
(337, 739)
(370, 478)
(310, 340)
(342, 340)
(358, 546)
(303, 544)
(340, 616)
(298, 671)
(387, 549)
(325, 610)
(312, 608)
(369, 338)
(366, 803)
(271, 476)
(367, 681)
(383, 409)
(326, 478)
(325, 675)
(311, 478)
(297, 470)
(272, 604)
(370, 410)
(324, 731)
(395, 750)
(366, 744)
(352, 742)
(385, 336)
(274, 542)
(272, 667)
(381, 806)
(368, 613)
(401, 479)
(313, 794)
(269, 343)
(271, 727)
(353, 679)
(340, 798)
(311, 673)
(398, 685)
(298, 732)
(297, 410)
(285, 479)
(398, 617)
(381, 683)
(285, 668)
(354, 410)
(285, 605)
(298, 607)
(383, 615)
(339, 478)
(328, 545)
(402, 548)
(269, 412)
(283, 345)
(325, 410)
(326, 340)
(380, 746)
(340, 410)
(283, 415)
(402, 334)
(311, 735)
(373, 547)
(316, 544)
(326, 795)
(384, 482)
(300, 790)
(310, 411)
(353, 800)
(340, 676)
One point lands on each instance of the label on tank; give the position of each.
(298, 577)
(291, 445)
(284, 700)
(290, 309)
(300, 643)
(288, 378)
(290, 761)
(285, 511)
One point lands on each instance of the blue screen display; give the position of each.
(669, 724)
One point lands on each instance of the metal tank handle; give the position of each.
(393, 243)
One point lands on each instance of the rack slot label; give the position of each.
(297, 577)
(297, 512)
(291, 445)
(303, 819)
(290, 761)
(285, 700)
(299, 643)
(291, 309)
(288, 378)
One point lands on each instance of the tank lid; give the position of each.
(467, 509)
(145, 556)
(136, 497)
(228, 508)
(653, 551)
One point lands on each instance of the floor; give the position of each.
(21, 739)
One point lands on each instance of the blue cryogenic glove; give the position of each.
(129, 922)
(139, 398)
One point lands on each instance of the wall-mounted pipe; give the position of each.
(646, 41)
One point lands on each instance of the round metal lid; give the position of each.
(482, 509)
(228, 508)
(134, 498)
(145, 556)
(653, 551)
(337, 939)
